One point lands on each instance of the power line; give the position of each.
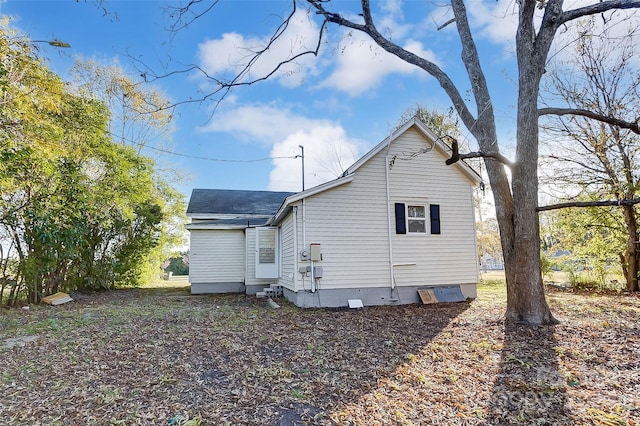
(216, 159)
(220, 160)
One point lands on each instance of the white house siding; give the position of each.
(252, 283)
(350, 224)
(217, 256)
(447, 258)
(288, 269)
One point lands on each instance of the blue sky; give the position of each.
(337, 105)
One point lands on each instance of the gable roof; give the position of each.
(429, 135)
(231, 204)
(348, 174)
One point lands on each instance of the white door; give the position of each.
(267, 253)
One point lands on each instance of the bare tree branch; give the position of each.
(182, 21)
(582, 164)
(224, 87)
(446, 24)
(633, 126)
(479, 154)
(456, 156)
(603, 203)
(370, 29)
(596, 8)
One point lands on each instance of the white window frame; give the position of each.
(423, 219)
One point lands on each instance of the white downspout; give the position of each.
(304, 229)
(246, 258)
(389, 229)
(295, 248)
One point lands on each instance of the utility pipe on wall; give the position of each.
(389, 232)
(296, 253)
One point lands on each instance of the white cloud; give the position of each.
(390, 24)
(327, 153)
(228, 55)
(362, 65)
(497, 21)
(263, 124)
(359, 66)
(327, 148)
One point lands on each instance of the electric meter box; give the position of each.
(304, 255)
(316, 255)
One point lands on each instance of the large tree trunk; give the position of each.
(525, 292)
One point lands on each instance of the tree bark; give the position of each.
(526, 301)
(632, 256)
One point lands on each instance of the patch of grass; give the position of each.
(297, 393)
(176, 283)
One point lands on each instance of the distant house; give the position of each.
(396, 221)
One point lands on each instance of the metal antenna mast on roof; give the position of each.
(302, 156)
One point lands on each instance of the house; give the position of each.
(396, 221)
(223, 233)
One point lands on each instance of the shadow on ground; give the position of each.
(299, 368)
(145, 356)
(529, 388)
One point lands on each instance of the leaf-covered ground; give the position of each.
(163, 357)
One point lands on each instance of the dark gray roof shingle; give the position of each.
(227, 201)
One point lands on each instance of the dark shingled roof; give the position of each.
(226, 201)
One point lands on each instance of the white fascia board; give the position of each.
(198, 227)
(286, 205)
(212, 216)
(385, 143)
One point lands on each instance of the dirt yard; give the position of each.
(159, 356)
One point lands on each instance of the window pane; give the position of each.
(417, 226)
(416, 211)
(266, 246)
(267, 255)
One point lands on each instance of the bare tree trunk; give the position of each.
(525, 292)
(526, 301)
(632, 257)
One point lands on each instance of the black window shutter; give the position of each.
(401, 224)
(434, 213)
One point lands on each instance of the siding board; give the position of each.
(287, 255)
(217, 256)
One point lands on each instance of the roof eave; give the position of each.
(213, 216)
(204, 227)
(286, 205)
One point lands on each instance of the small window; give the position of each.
(416, 220)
